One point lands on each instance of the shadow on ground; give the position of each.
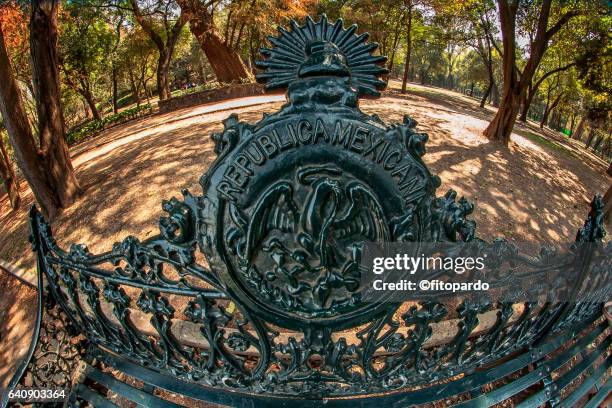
(531, 191)
(17, 318)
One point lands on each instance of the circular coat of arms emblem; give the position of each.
(297, 195)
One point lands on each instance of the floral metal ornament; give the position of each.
(275, 313)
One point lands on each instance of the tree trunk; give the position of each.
(7, 173)
(555, 122)
(396, 36)
(450, 79)
(544, 116)
(225, 62)
(163, 66)
(201, 71)
(605, 150)
(526, 103)
(91, 103)
(115, 97)
(20, 135)
(165, 46)
(598, 143)
(86, 109)
(134, 87)
(485, 96)
(607, 200)
(495, 95)
(489, 64)
(590, 138)
(146, 91)
(408, 49)
(45, 75)
(578, 134)
(502, 124)
(549, 109)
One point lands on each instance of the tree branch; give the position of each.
(552, 72)
(562, 21)
(146, 25)
(495, 45)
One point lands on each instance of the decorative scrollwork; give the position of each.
(452, 217)
(286, 209)
(593, 229)
(58, 354)
(177, 227)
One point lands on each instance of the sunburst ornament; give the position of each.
(322, 49)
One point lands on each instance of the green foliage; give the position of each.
(86, 41)
(199, 88)
(428, 49)
(473, 70)
(453, 44)
(594, 64)
(136, 63)
(96, 126)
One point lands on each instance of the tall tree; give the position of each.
(117, 22)
(516, 81)
(477, 31)
(136, 61)
(451, 34)
(224, 60)
(45, 165)
(16, 37)
(165, 40)
(398, 16)
(409, 13)
(428, 53)
(86, 44)
(594, 66)
(45, 77)
(607, 199)
(7, 174)
(383, 20)
(532, 88)
(554, 93)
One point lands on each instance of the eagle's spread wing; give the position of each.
(364, 216)
(275, 209)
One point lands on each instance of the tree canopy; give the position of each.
(545, 60)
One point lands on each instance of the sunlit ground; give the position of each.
(538, 189)
(17, 316)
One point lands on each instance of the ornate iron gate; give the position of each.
(273, 313)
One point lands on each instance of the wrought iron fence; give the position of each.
(249, 289)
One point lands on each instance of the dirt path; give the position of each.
(18, 305)
(538, 189)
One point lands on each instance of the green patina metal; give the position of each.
(285, 208)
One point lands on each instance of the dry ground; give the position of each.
(538, 189)
(17, 317)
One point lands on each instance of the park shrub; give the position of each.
(95, 126)
(198, 88)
